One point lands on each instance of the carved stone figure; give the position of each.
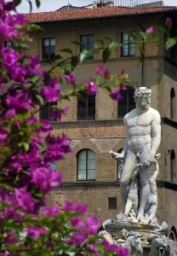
(140, 167)
(137, 227)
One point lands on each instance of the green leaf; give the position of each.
(67, 50)
(106, 54)
(84, 55)
(25, 146)
(99, 41)
(17, 2)
(34, 27)
(74, 61)
(57, 57)
(170, 42)
(107, 38)
(113, 45)
(40, 98)
(38, 3)
(78, 43)
(144, 36)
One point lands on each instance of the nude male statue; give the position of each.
(143, 139)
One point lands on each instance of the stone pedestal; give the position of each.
(140, 239)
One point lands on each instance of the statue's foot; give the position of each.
(142, 219)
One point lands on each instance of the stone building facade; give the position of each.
(90, 174)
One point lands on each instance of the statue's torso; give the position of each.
(139, 129)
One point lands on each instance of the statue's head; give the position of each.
(142, 97)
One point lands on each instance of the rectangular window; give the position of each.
(48, 48)
(47, 114)
(128, 44)
(8, 44)
(86, 165)
(86, 108)
(88, 44)
(127, 103)
(112, 203)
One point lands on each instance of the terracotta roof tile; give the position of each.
(79, 14)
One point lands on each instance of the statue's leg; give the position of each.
(128, 168)
(153, 197)
(128, 207)
(153, 210)
(132, 197)
(144, 192)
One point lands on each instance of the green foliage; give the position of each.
(171, 41)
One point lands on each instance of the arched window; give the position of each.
(127, 103)
(86, 107)
(172, 165)
(172, 103)
(86, 165)
(173, 234)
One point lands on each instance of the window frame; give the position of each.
(109, 203)
(172, 165)
(172, 103)
(128, 44)
(50, 56)
(82, 46)
(86, 170)
(51, 117)
(86, 116)
(128, 107)
(8, 44)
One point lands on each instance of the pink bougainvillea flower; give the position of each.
(81, 208)
(50, 211)
(116, 94)
(103, 71)
(77, 222)
(51, 91)
(18, 102)
(69, 207)
(36, 232)
(24, 199)
(151, 29)
(71, 78)
(92, 224)
(3, 135)
(91, 88)
(45, 178)
(168, 22)
(77, 238)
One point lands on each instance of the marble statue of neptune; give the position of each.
(140, 167)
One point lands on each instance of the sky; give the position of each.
(52, 5)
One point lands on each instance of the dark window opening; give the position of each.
(8, 44)
(47, 114)
(127, 103)
(86, 165)
(128, 44)
(48, 48)
(172, 103)
(87, 42)
(173, 234)
(86, 108)
(112, 203)
(172, 165)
